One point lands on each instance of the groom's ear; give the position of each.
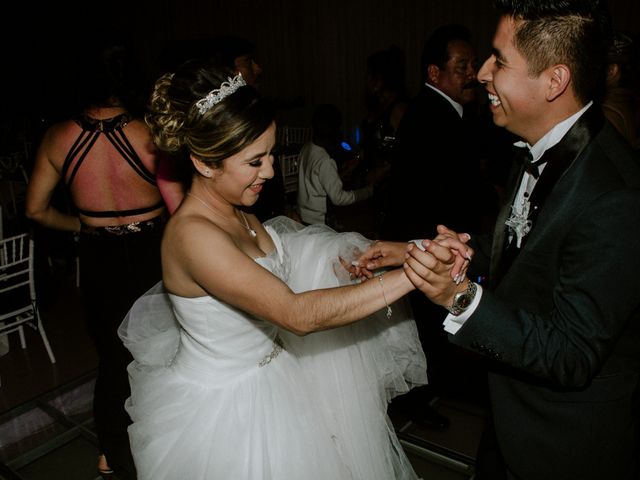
(559, 79)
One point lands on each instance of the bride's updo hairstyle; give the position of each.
(211, 133)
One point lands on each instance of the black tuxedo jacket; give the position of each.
(563, 318)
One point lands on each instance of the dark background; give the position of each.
(312, 51)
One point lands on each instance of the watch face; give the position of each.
(463, 301)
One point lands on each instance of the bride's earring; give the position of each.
(207, 172)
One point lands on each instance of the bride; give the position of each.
(226, 383)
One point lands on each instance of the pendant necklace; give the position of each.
(251, 231)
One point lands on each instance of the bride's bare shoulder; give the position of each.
(191, 243)
(190, 231)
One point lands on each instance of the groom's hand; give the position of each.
(430, 271)
(382, 254)
(457, 242)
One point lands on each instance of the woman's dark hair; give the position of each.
(105, 77)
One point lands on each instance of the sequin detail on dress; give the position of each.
(277, 348)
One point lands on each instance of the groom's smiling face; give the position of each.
(517, 100)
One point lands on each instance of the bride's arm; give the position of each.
(199, 259)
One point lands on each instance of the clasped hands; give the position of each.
(439, 271)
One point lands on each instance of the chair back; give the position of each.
(19, 309)
(16, 264)
(289, 166)
(293, 137)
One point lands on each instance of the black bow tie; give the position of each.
(524, 156)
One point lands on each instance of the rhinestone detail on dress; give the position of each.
(277, 348)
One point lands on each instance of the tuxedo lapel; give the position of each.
(500, 231)
(558, 159)
(561, 156)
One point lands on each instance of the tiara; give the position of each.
(216, 96)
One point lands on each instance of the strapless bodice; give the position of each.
(219, 341)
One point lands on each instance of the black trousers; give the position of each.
(115, 269)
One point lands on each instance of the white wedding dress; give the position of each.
(218, 394)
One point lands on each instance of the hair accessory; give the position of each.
(216, 96)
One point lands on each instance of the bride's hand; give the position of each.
(349, 267)
(380, 254)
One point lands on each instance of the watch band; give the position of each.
(463, 299)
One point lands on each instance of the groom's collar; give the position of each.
(553, 136)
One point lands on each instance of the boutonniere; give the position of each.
(519, 223)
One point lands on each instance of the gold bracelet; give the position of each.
(389, 311)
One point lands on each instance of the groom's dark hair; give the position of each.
(575, 33)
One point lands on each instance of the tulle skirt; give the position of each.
(316, 410)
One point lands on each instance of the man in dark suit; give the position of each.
(561, 315)
(434, 141)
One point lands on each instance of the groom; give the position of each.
(561, 313)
